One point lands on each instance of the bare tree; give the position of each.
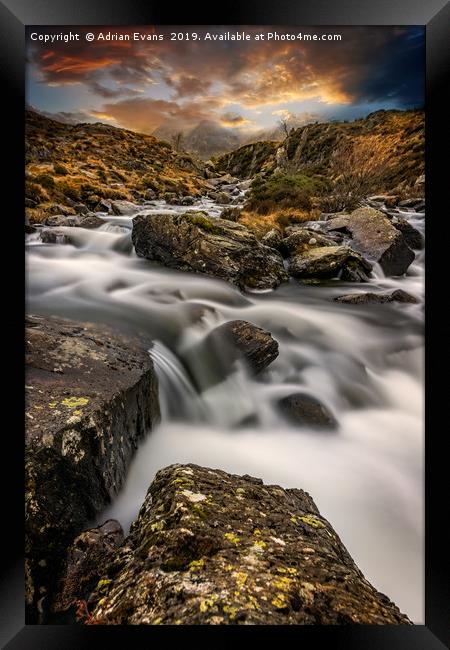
(177, 140)
(282, 123)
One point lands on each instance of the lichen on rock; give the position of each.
(266, 558)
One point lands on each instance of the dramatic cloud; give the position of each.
(248, 84)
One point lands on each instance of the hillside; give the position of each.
(84, 163)
(395, 138)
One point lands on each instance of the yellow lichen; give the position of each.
(283, 583)
(196, 564)
(231, 537)
(280, 601)
(102, 584)
(259, 543)
(53, 405)
(207, 603)
(312, 521)
(157, 526)
(231, 611)
(257, 531)
(74, 402)
(241, 578)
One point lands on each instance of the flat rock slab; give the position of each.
(213, 548)
(90, 395)
(370, 298)
(374, 235)
(195, 242)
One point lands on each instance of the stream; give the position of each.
(364, 362)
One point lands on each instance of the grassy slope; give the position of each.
(67, 164)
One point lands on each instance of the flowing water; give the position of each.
(365, 362)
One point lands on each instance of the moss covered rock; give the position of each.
(202, 244)
(213, 548)
(90, 395)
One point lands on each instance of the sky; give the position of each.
(244, 86)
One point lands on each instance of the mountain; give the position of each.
(205, 140)
(68, 164)
(396, 139)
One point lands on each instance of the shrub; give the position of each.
(60, 169)
(35, 193)
(281, 191)
(46, 180)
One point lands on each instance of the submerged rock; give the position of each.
(374, 235)
(53, 236)
(213, 548)
(90, 395)
(241, 339)
(196, 242)
(330, 262)
(376, 298)
(303, 409)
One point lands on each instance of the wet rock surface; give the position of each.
(213, 548)
(368, 298)
(303, 409)
(90, 395)
(86, 557)
(374, 235)
(328, 262)
(195, 242)
(411, 235)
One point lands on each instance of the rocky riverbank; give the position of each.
(214, 548)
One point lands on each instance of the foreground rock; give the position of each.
(373, 235)
(90, 395)
(369, 298)
(303, 409)
(212, 548)
(195, 242)
(411, 235)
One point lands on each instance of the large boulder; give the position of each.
(303, 239)
(374, 235)
(412, 236)
(328, 262)
(91, 394)
(196, 242)
(213, 548)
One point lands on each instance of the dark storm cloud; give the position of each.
(369, 65)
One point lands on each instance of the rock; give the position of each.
(150, 195)
(58, 209)
(29, 230)
(187, 200)
(194, 242)
(329, 262)
(82, 571)
(245, 185)
(302, 240)
(226, 179)
(171, 198)
(123, 207)
(62, 220)
(53, 236)
(81, 208)
(411, 235)
(303, 409)
(222, 198)
(91, 221)
(338, 224)
(103, 206)
(210, 548)
(374, 235)
(273, 239)
(410, 203)
(91, 394)
(376, 298)
(231, 214)
(239, 339)
(387, 200)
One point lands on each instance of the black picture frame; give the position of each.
(435, 15)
